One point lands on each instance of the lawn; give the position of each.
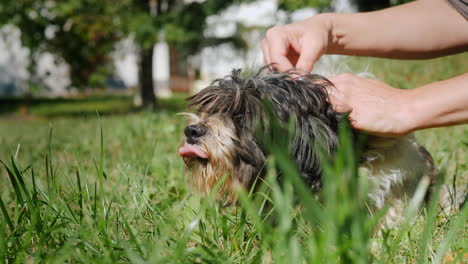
(81, 188)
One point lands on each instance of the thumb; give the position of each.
(338, 102)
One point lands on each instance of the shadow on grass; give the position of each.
(82, 106)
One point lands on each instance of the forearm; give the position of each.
(437, 104)
(417, 30)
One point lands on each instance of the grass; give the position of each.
(80, 106)
(111, 189)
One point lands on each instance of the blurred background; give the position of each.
(124, 55)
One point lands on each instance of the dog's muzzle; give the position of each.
(190, 147)
(193, 132)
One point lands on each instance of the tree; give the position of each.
(182, 23)
(81, 32)
(84, 32)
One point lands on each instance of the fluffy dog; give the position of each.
(221, 140)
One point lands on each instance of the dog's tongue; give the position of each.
(191, 151)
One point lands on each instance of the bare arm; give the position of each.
(420, 29)
(417, 30)
(438, 104)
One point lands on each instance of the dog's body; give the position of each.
(221, 138)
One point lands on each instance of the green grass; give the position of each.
(112, 189)
(81, 106)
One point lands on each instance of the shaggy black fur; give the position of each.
(299, 97)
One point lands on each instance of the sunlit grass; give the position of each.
(123, 197)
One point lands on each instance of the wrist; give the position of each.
(338, 31)
(408, 112)
(326, 23)
(437, 104)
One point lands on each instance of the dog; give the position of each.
(221, 141)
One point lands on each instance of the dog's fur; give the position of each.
(221, 138)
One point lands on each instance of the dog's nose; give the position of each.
(194, 131)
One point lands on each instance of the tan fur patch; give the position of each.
(218, 143)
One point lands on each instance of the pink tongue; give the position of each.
(190, 151)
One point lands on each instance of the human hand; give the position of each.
(375, 107)
(298, 45)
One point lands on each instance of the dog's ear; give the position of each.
(250, 152)
(249, 164)
(239, 121)
(247, 173)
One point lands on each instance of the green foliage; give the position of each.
(138, 22)
(81, 32)
(186, 24)
(80, 107)
(292, 5)
(183, 22)
(186, 27)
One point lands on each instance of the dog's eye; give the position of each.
(239, 120)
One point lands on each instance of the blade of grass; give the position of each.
(430, 221)
(95, 202)
(33, 179)
(47, 170)
(101, 150)
(49, 155)
(80, 193)
(19, 178)
(14, 183)
(5, 214)
(455, 227)
(133, 236)
(408, 216)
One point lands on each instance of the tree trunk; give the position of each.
(148, 97)
(179, 80)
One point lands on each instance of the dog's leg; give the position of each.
(395, 166)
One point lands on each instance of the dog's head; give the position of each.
(221, 141)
